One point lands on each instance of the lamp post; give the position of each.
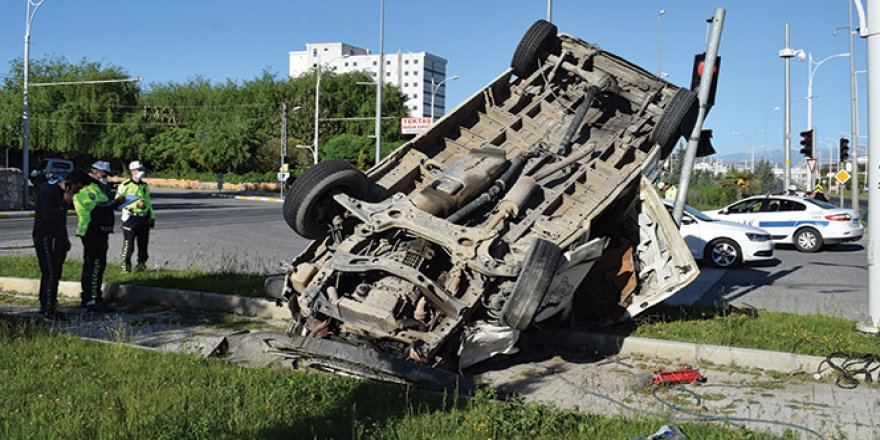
(812, 71)
(786, 54)
(318, 103)
(380, 81)
(25, 126)
(434, 92)
(661, 13)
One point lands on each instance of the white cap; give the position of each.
(792, 188)
(102, 165)
(136, 165)
(661, 184)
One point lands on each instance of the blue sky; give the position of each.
(172, 41)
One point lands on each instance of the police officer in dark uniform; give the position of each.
(50, 237)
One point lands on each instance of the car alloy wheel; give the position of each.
(724, 253)
(808, 240)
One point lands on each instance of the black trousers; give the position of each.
(135, 229)
(94, 262)
(51, 252)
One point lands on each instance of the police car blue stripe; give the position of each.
(788, 224)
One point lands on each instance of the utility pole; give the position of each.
(854, 112)
(868, 30)
(380, 81)
(786, 54)
(550, 10)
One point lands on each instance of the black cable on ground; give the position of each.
(852, 366)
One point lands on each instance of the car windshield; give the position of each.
(821, 204)
(698, 214)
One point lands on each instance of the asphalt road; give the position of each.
(831, 282)
(193, 230)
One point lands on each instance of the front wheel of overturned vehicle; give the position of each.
(309, 207)
(678, 119)
(532, 284)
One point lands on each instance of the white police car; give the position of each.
(808, 224)
(723, 244)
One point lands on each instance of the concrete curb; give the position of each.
(261, 199)
(687, 352)
(25, 214)
(256, 307)
(604, 343)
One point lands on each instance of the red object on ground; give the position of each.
(675, 377)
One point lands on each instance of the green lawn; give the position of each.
(777, 331)
(223, 282)
(58, 386)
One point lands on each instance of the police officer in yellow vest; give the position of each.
(94, 211)
(137, 218)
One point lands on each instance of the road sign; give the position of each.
(811, 164)
(283, 176)
(414, 125)
(842, 176)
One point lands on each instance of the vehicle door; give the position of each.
(780, 216)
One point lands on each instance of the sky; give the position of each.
(173, 41)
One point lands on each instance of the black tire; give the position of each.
(309, 206)
(723, 253)
(532, 284)
(808, 240)
(678, 119)
(537, 40)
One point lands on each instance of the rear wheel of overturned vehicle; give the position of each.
(723, 253)
(309, 207)
(808, 240)
(540, 38)
(532, 284)
(678, 119)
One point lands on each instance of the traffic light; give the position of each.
(697, 73)
(844, 149)
(807, 140)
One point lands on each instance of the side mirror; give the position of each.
(723, 211)
(687, 221)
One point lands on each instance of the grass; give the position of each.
(777, 331)
(58, 386)
(223, 282)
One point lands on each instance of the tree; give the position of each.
(766, 180)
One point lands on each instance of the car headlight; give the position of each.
(757, 237)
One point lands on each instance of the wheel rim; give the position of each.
(723, 254)
(807, 240)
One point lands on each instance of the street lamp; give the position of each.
(812, 72)
(25, 127)
(786, 54)
(434, 92)
(749, 143)
(318, 103)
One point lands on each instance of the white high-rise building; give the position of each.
(410, 72)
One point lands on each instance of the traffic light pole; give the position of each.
(703, 93)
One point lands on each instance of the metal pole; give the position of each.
(283, 144)
(786, 142)
(317, 107)
(433, 92)
(705, 84)
(854, 112)
(25, 164)
(810, 73)
(380, 81)
(873, 38)
(659, 69)
(550, 10)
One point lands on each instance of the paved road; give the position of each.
(832, 282)
(193, 230)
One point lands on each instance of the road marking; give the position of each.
(260, 199)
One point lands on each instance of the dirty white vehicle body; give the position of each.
(492, 220)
